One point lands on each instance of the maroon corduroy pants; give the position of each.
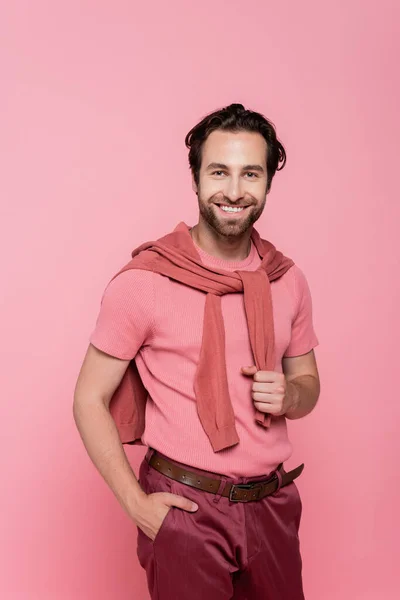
(225, 550)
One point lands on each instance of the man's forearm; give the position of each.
(304, 391)
(100, 437)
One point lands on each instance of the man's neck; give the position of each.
(234, 249)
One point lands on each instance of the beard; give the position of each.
(223, 225)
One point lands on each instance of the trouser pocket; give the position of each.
(151, 481)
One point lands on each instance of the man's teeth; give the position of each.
(231, 208)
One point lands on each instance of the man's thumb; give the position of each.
(183, 503)
(249, 370)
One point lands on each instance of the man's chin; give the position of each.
(227, 227)
(232, 229)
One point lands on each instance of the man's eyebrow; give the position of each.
(215, 165)
(258, 168)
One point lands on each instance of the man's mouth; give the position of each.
(231, 209)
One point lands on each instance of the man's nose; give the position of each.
(234, 189)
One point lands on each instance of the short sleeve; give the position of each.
(125, 319)
(303, 337)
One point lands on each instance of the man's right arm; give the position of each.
(98, 379)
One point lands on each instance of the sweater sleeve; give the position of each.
(125, 319)
(303, 337)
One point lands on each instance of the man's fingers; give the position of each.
(249, 370)
(264, 407)
(180, 502)
(267, 388)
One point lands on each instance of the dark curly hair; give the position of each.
(236, 118)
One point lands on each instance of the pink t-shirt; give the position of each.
(160, 322)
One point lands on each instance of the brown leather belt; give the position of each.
(236, 492)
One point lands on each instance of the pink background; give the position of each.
(97, 98)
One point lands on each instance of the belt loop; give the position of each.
(149, 454)
(220, 490)
(279, 477)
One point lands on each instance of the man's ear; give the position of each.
(194, 186)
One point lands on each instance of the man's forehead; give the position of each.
(234, 148)
(222, 136)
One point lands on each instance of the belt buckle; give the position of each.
(244, 486)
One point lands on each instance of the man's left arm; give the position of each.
(294, 391)
(302, 384)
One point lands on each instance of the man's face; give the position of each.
(232, 181)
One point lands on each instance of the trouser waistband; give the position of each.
(214, 484)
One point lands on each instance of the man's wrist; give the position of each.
(136, 502)
(133, 495)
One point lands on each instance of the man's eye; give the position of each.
(252, 174)
(218, 172)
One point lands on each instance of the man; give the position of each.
(217, 515)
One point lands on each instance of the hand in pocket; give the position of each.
(152, 509)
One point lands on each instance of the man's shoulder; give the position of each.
(132, 281)
(293, 280)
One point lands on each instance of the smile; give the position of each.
(231, 209)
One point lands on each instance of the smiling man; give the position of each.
(232, 194)
(202, 349)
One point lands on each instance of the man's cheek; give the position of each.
(212, 190)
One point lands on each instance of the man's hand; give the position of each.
(271, 392)
(151, 510)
